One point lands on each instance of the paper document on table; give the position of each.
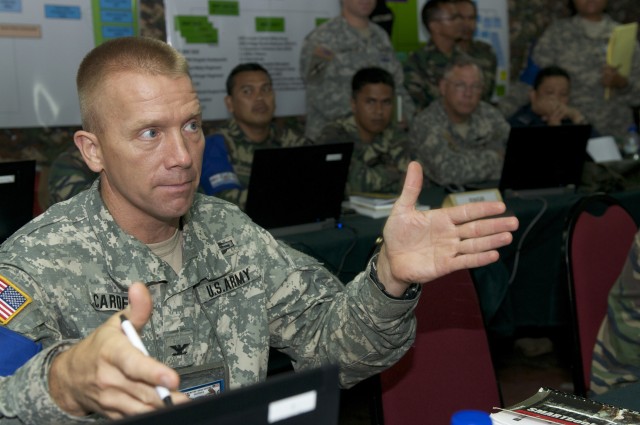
(558, 407)
(620, 50)
(603, 149)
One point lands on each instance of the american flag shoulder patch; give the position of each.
(12, 300)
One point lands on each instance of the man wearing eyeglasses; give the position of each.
(424, 68)
(480, 51)
(459, 139)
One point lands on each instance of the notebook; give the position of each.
(544, 159)
(294, 398)
(17, 181)
(298, 189)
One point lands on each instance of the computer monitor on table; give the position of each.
(298, 189)
(304, 398)
(544, 159)
(17, 181)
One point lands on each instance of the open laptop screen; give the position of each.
(298, 185)
(16, 189)
(544, 157)
(302, 398)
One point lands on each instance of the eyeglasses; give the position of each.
(461, 87)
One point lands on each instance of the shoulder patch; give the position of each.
(12, 300)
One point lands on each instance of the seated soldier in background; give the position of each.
(549, 101)
(251, 102)
(459, 139)
(69, 175)
(481, 52)
(380, 156)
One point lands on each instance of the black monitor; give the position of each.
(17, 180)
(308, 397)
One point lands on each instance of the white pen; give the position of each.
(135, 340)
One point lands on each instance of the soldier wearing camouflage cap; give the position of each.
(333, 52)
(460, 139)
(208, 290)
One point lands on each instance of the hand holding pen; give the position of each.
(104, 374)
(135, 340)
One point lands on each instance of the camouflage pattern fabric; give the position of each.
(615, 356)
(448, 157)
(566, 44)
(376, 167)
(483, 54)
(241, 150)
(239, 292)
(69, 175)
(423, 71)
(328, 81)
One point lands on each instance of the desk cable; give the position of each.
(525, 233)
(348, 251)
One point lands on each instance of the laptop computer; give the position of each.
(298, 189)
(302, 398)
(17, 181)
(544, 160)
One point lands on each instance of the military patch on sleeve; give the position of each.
(12, 300)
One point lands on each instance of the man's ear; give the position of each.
(229, 104)
(532, 96)
(353, 105)
(89, 146)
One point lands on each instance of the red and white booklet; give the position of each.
(557, 407)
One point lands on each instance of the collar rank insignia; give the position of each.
(12, 300)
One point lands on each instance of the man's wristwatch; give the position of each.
(411, 293)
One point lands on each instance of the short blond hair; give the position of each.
(126, 54)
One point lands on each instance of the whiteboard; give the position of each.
(41, 45)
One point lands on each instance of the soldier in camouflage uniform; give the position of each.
(459, 139)
(333, 52)
(424, 68)
(480, 51)
(251, 102)
(578, 44)
(69, 176)
(615, 360)
(217, 290)
(380, 153)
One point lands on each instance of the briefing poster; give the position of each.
(41, 45)
(215, 36)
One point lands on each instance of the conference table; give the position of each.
(526, 288)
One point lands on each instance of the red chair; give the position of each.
(598, 235)
(449, 367)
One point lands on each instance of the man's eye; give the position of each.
(150, 134)
(192, 126)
